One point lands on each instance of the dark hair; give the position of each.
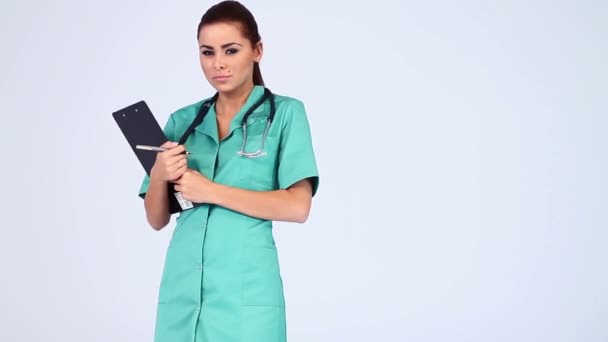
(234, 11)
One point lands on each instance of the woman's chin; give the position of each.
(224, 87)
(227, 87)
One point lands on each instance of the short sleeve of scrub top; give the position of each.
(296, 157)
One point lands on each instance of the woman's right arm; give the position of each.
(168, 167)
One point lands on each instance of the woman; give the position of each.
(221, 279)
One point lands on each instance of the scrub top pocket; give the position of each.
(258, 173)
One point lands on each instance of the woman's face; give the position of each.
(226, 56)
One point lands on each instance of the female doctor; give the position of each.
(221, 279)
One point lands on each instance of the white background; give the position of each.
(461, 146)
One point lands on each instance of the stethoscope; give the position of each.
(205, 109)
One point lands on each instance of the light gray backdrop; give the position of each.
(461, 145)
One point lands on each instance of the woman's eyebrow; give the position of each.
(223, 46)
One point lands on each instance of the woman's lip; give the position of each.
(220, 77)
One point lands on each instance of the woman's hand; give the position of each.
(169, 165)
(195, 187)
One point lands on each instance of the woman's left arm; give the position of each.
(290, 205)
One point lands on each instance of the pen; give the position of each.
(154, 148)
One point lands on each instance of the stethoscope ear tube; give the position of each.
(198, 119)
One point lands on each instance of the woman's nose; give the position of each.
(219, 63)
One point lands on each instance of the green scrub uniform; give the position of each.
(221, 280)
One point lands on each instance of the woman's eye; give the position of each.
(207, 52)
(231, 51)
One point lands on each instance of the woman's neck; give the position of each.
(229, 103)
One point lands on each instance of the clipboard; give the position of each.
(139, 127)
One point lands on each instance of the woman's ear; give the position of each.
(258, 52)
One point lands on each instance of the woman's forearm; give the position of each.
(156, 204)
(291, 205)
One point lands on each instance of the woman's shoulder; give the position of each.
(287, 100)
(188, 112)
(289, 107)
